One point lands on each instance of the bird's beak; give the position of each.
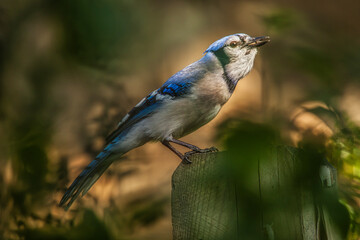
(259, 41)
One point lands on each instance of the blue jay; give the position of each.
(185, 102)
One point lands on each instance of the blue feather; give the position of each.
(179, 85)
(176, 89)
(86, 179)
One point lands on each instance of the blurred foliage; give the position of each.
(280, 20)
(98, 32)
(89, 228)
(247, 142)
(252, 141)
(147, 212)
(328, 65)
(317, 57)
(254, 146)
(88, 32)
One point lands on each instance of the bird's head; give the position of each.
(238, 45)
(237, 52)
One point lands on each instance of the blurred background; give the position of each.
(70, 70)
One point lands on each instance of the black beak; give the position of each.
(259, 41)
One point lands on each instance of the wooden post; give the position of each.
(207, 203)
(202, 200)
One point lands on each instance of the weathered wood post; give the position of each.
(207, 203)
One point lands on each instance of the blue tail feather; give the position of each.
(86, 179)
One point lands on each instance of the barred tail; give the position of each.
(86, 179)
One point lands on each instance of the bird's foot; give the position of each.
(205, 150)
(199, 150)
(185, 159)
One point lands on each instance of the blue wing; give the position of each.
(179, 85)
(149, 105)
(141, 111)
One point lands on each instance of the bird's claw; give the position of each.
(186, 159)
(205, 150)
(213, 149)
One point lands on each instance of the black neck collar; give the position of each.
(224, 60)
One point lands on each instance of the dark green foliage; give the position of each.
(89, 228)
(246, 140)
(148, 212)
(280, 20)
(315, 62)
(291, 173)
(97, 31)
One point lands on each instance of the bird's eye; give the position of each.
(233, 44)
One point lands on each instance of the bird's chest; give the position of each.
(211, 91)
(205, 102)
(195, 117)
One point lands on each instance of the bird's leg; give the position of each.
(179, 154)
(194, 148)
(184, 144)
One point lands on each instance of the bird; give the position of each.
(186, 101)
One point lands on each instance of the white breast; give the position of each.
(212, 90)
